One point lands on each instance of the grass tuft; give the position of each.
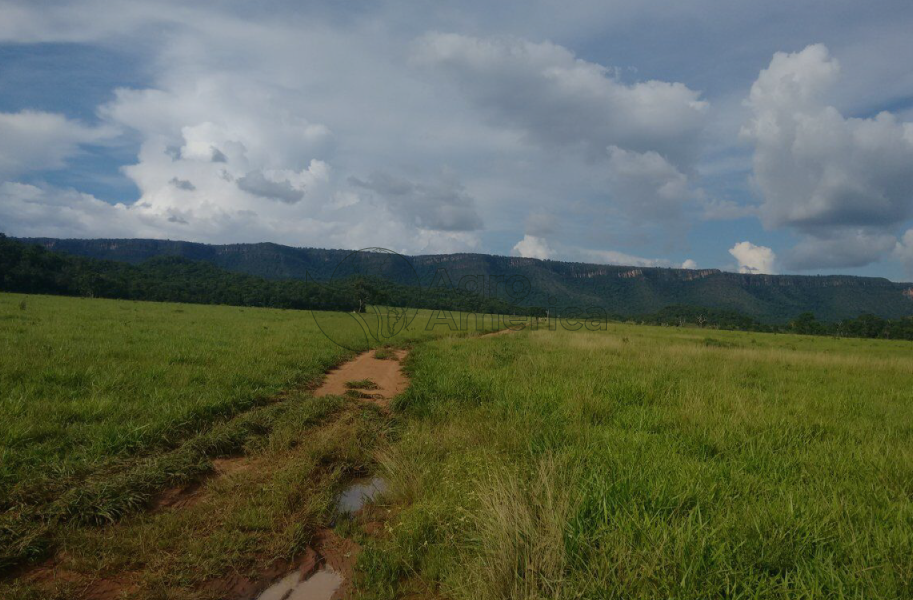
(361, 384)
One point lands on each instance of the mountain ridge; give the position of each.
(620, 290)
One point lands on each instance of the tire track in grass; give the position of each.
(329, 565)
(330, 558)
(326, 571)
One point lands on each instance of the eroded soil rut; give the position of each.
(325, 570)
(386, 374)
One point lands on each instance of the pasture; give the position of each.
(103, 403)
(649, 462)
(169, 450)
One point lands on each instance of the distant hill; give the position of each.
(34, 269)
(622, 291)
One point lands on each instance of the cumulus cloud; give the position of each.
(559, 99)
(442, 204)
(238, 137)
(221, 161)
(612, 257)
(831, 178)
(37, 211)
(650, 188)
(182, 184)
(754, 259)
(269, 186)
(839, 248)
(30, 210)
(642, 138)
(532, 246)
(36, 141)
(903, 250)
(541, 224)
(230, 149)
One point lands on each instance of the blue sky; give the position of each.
(763, 137)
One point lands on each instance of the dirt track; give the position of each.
(327, 548)
(386, 374)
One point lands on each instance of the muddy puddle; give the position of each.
(384, 379)
(360, 493)
(319, 586)
(326, 583)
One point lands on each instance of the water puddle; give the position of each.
(326, 581)
(358, 494)
(319, 586)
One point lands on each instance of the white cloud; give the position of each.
(754, 259)
(639, 140)
(541, 224)
(532, 246)
(650, 188)
(612, 257)
(442, 204)
(838, 248)
(39, 211)
(37, 141)
(827, 176)
(558, 99)
(903, 250)
(29, 210)
(257, 127)
(223, 161)
(230, 149)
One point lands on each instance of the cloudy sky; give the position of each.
(771, 137)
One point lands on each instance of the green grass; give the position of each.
(384, 354)
(87, 381)
(103, 403)
(648, 462)
(362, 384)
(263, 509)
(639, 462)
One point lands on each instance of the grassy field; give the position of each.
(637, 462)
(647, 462)
(104, 403)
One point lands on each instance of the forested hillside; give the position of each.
(623, 291)
(33, 269)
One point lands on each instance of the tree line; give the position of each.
(33, 269)
(863, 326)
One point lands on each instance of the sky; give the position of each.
(761, 137)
